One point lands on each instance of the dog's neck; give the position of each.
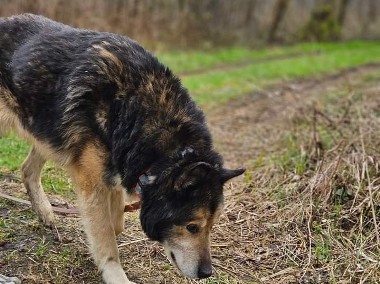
(149, 121)
(146, 177)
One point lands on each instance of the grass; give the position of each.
(191, 61)
(26, 246)
(13, 152)
(329, 209)
(210, 89)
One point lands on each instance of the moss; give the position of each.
(322, 26)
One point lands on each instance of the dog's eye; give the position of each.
(192, 228)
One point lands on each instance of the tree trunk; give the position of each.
(279, 13)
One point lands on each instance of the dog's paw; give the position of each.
(113, 273)
(129, 282)
(45, 214)
(48, 219)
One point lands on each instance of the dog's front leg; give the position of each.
(94, 203)
(100, 232)
(117, 209)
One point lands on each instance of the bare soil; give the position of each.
(254, 242)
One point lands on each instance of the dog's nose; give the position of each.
(204, 270)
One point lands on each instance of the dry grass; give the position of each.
(323, 222)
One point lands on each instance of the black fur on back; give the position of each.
(75, 86)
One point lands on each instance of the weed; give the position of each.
(322, 251)
(167, 266)
(2, 222)
(281, 195)
(292, 157)
(220, 278)
(6, 234)
(248, 177)
(55, 180)
(41, 248)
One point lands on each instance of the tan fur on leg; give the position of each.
(117, 209)
(94, 202)
(31, 175)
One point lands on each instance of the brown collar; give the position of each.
(132, 207)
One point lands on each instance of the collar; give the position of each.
(143, 180)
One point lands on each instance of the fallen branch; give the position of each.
(65, 211)
(26, 202)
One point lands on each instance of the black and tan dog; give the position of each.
(122, 125)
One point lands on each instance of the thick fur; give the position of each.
(106, 110)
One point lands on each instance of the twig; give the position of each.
(132, 242)
(279, 273)
(227, 269)
(369, 185)
(309, 226)
(26, 202)
(72, 211)
(366, 257)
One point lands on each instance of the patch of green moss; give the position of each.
(322, 26)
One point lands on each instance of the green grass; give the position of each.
(13, 152)
(191, 61)
(212, 88)
(185, 62)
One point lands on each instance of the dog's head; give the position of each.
(179, 210)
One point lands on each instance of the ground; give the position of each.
(307, 210)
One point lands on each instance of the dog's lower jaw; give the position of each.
(184, 269)
(113, 273)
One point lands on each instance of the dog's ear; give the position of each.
(229, 174)
(193, 175)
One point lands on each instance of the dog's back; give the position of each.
(16, 30)
(58, 83)
(41, 61)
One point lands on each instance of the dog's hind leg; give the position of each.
(31, 176)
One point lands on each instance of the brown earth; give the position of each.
(254, 242)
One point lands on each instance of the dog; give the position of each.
(122, 126)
